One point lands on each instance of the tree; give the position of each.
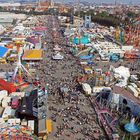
(1, 9)
(131, 14)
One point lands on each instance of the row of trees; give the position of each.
(101, 18)
(106, 19)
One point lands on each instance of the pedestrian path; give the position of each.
(72, 115)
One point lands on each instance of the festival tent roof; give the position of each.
(126, 94)
(85, 57)
(7, 86)
(123, 73)
(3, 50)
(86, 88)
(32, 40)
(58, 56)
(41, 28)
(32, 55)
(57, 48)
(38, 33)
(83, 40)
(26, 107)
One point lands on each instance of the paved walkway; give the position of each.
(72, 115)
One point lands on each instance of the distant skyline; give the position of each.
(90, 1)
(103, 1)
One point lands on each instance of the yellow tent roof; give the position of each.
(88, 68)
(32, 55)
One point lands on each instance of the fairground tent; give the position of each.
(32, 55)
(3, 51)
(86, 87)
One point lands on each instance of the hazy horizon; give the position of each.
(102, 1)
(90, 1)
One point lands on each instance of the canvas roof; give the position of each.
(32, 55)
(3, 50)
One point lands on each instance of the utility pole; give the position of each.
(78, 24)
(115, 2)
(51, 3)
(39, 5)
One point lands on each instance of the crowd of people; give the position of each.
(71, 112)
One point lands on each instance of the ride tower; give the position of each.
(87, 22)
(19, 69)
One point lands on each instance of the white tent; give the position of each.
(123, 74)
(58, 56)
(57, 48)
(2, 29)
(86, 87)
(19, 29)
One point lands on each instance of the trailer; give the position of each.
(8, 113)
(42, 128)
(14, 121)
(31, 125)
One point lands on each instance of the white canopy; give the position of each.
(86, 87)
(58, 56)
(123, 73)
(57, 48)
(2, 29)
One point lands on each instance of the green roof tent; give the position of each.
(84, 40)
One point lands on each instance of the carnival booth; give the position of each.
(3, 52)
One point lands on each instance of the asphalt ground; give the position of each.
(72, 114)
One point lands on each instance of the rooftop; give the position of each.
(126, 94)
(32, 55)
(3, 51)
(7, 20)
